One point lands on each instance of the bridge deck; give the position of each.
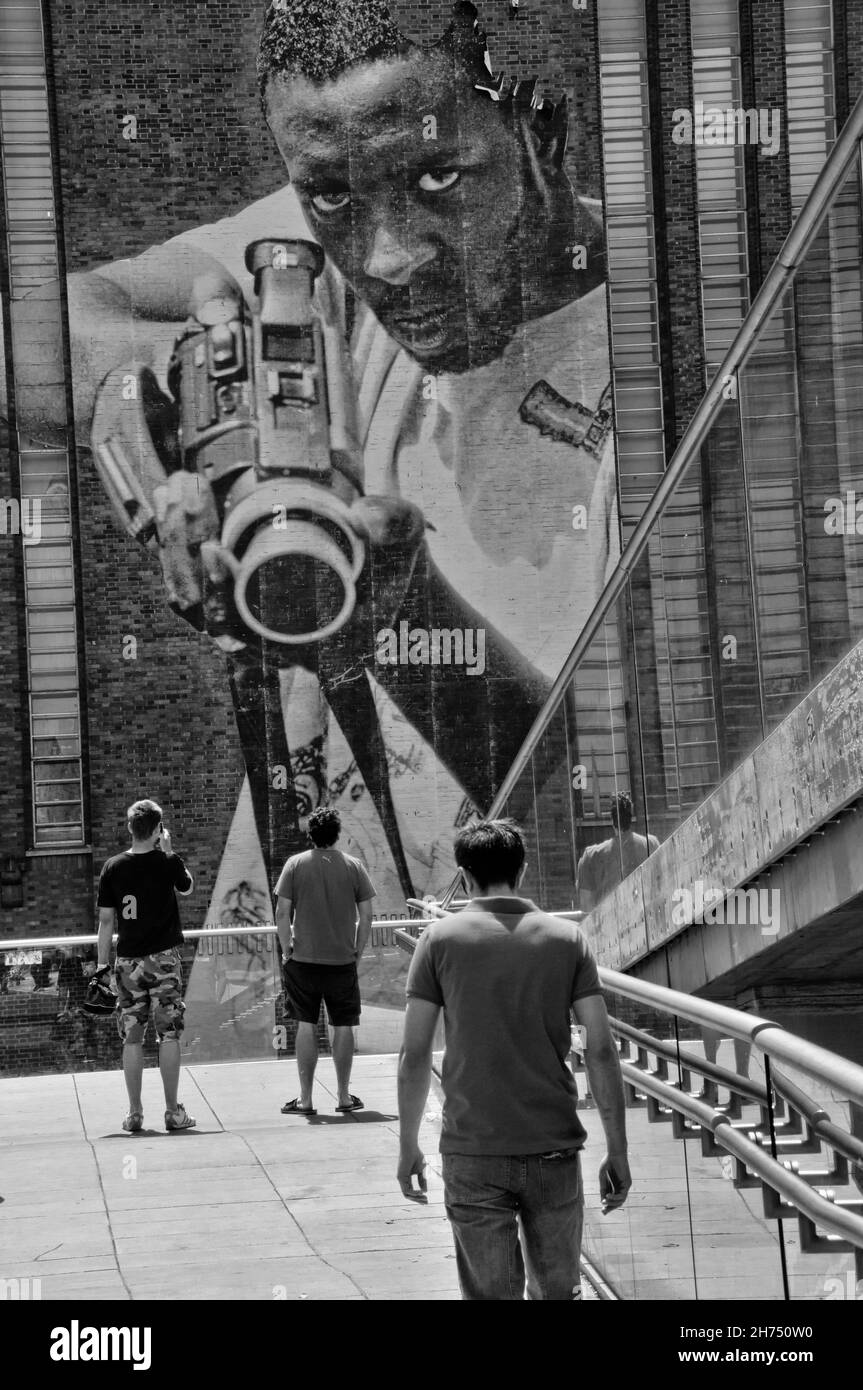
(252, 1204)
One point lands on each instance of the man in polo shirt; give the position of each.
(323, 917)
(508, 976)
(137, 899)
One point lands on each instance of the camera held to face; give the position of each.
(262, 421)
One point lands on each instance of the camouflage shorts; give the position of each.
(145, 983)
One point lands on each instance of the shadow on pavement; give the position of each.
(354, 1117)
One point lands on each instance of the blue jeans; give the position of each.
(508, 1212)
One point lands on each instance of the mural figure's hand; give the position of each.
(164, 507)
(394, 531)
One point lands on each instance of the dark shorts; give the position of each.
(306, 985)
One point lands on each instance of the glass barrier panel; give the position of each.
(684, 1185)
(233, 997)
(644, 1250)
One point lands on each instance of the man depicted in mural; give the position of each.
(467, 278)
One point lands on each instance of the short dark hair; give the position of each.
(143, 817)
(492, 851)
(318, 39)
(324, 827)
(621, 811)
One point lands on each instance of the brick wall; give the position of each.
(14, 817)
(162, 724)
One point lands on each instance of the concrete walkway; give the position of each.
(252, 1204)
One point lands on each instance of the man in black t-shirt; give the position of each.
(137, 899)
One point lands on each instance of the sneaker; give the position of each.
(178, 1119)
(134, 1122)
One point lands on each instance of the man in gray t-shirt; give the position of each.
(324, 917)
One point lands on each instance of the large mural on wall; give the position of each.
(363, 425)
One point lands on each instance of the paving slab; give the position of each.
(252, 1204)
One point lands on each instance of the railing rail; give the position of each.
(688, 1061)
(47, 943)
(828, 1068)
(828, 1215)
(817, 1062)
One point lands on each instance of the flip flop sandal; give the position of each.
(178, 1119)
(293, 1107)
(134, 1122)
(356, 1104)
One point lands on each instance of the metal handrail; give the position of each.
(770, 1038)
(672, 1052)
(794, 1190)
(46, 943)
(569, 914)
(813, 1114)
(817, 1062)
(818, 1120)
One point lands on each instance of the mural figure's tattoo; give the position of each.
(244, 905)
(466, 812)
(309, 774)
(568, 422)
(353, 672)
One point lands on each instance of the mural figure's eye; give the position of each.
(438, 180)
(336, 200)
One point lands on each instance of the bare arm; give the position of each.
(107, 927)
(164, 843)
(131, 312)
(284, 916)
(414, 1079)
(585, 896)
(606, 1086)
(364, 928)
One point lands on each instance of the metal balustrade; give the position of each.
(767, 1147)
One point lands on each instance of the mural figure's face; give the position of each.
(423, 196)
